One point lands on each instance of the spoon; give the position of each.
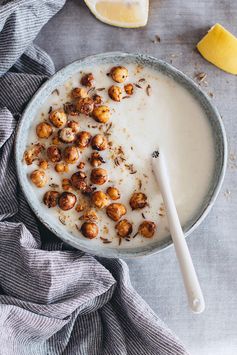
(191, 283)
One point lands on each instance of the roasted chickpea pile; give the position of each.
(61, 144)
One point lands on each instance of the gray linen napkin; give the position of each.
(54, 299)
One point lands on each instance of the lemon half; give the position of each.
(219, 47)
(121, 13)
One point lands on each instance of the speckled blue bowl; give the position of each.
(116, 57)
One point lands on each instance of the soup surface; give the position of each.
(161, 113)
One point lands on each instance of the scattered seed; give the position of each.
(201, 76)
(62, 220)
(138, 86)
(56, 91)
(135, 235)
(143, 216)
(148, 90)
(50, 109)
(54, 186)
(126, 97)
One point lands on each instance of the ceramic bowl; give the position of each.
(116, 57)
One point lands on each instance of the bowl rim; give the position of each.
(116, 252)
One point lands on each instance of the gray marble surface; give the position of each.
(75, 33)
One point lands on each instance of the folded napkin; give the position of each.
(55, 299)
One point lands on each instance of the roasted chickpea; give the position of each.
(61, 168)
(147, 229)
(128, 89)
(39, 178)
(71, 155)
(67, 201)
(32, 154)
(70, 109)
(97, 99)
(115, 93)
(83, 139)
(99, 176)
(100, 199)
(66, 135)
(96, 160)
(119, 74)
(101, 113)
(89, 230)
(89, 215)
(58, 118)
(55, 140)
(87, 80)
(44, 130)
(138, 200)
(85, 105)
(79, 93)
(54, 154)
(99, 142)
(74, 126)
(66, 184)
(124, 228)
(113, 193)
(115, 211)
(78, 180)
(50, 198)
(43, 164)
(81, 165)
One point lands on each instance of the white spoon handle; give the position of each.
(193, 290)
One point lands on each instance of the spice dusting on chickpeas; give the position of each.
(44, 130)
(78, 93)
(99, 176)
(113, 193)
(101, 114)
(58, 118)
(100, 199)
(39, 178)
(138, 200)
(43, 164)
(89, 230)
(99, 142)
(54, 154)
(147, 229)
(119, 74)
(78, 180)
(97, 99)
(71, 155)
(50, 198)
(85, 105)
(61, 167)
(96, 160)
(124, 228)
(115, 93)
(128, 89)
(115, 211)
(74, 126)
(32, 154)
(87, 80)
(66, 135)
(67, 201)
(83, 139)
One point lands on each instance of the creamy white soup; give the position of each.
(161, 113)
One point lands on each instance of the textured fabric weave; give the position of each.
(54, 299)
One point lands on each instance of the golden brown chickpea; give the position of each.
(74, 126)
(58, 118)
(101, 113)
(96, 160)
(115, 93)
(119, 74)
(78, 180)
(99, 142)
(83, 139)
(71, 155)
(97, 99)
(79, 93)
(124, 228)
(115, 211)
(54, 154)
(50, 198)
(100, 199)
(81, 165)
(87, 80)
(60, 168)
(113, 193)
(89, 230)
(85, 105)
(67, 201)
(32, 154)
(70, 109)
(138, 200)
(39, 178)
(44, 130)
(55, 140)
(89, 215)
(43, 164)
(128, 89)
(99, 176)
(66, 135)
(147, 229)
(66, 184)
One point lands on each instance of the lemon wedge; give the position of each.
(121, 13)
(219, 47)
